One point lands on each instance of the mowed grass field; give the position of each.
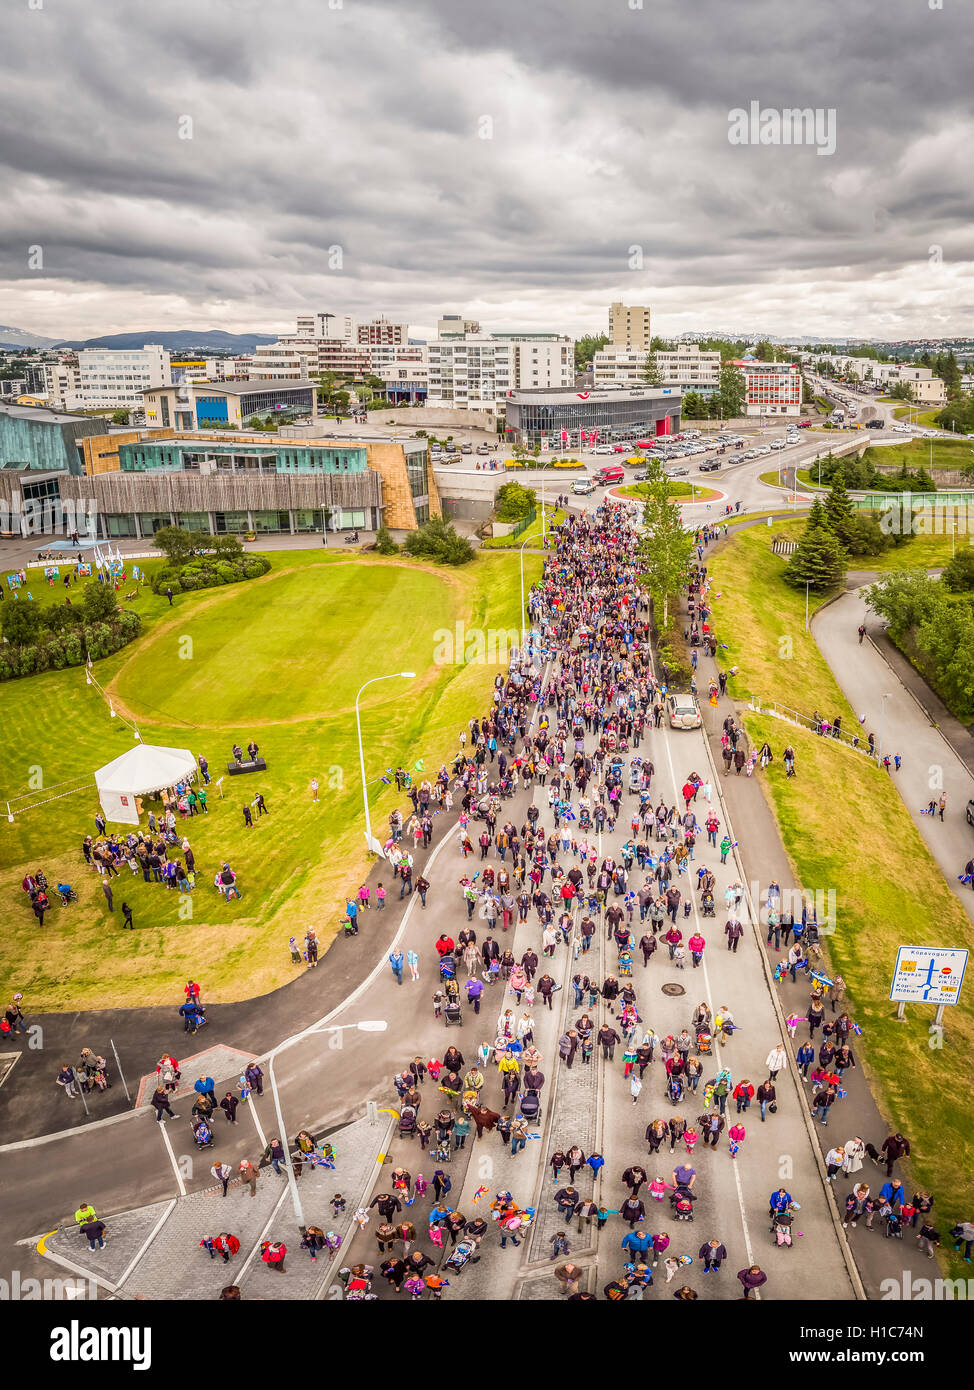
(279, 659)
(845, 827)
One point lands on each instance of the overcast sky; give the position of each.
(361, 127)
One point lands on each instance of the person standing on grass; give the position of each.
(314, 789)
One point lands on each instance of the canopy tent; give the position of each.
(144, 769)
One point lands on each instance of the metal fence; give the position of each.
(825, 728)
(525, 522)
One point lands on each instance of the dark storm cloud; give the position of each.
(362, 127)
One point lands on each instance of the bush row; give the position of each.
(208, 573)
(54, 652)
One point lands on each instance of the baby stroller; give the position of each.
(462, 1255)
(407, 1122)
(201, 1134)
(531, 1106)
(675, 1090)
(682, 1203)
(704, 1042)
(68, 895)
(707, 905)
(452, 1013)
(448, 968)
(894, 1224)
(625, 964)
(781, 1227)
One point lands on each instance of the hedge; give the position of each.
(58, 650)
(208, 572)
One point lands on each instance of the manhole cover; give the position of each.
(673, 989)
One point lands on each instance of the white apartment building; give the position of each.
(375, 332)
(471, 373)
(686, 366)
(540, 359)
(114, 378)
(629, 325)
(60, 384)
(276, 360)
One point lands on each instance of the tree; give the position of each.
(120, 417)
(514, 502)
(666, 548)
(651, 372)
(99, 603)
(732, 392)
(695, 406)
(178, 545)
(586, 347)
(901, 391)
(818, 562)
(20, 622)
(340, 400)
(438, 540)
(384, 543)
(817, 518)
(839, 509)
(958, 575)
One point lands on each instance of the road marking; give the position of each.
(148, 1240)
(172, 1158)
(257, 1125)
(42, 1243)
(262, 1236)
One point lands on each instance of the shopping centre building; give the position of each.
(556, 420)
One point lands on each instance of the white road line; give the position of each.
(257, 1125)
(172, 1158)
(148, 1240)
(262, 1236)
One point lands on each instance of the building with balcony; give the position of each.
(773, 388)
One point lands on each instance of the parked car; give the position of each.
(736, 458)
(604, 449)
(683, 711)
(878, 425)
(710, 466)
(752, 454)
(483, 448)
(680, 471)
(764, 448)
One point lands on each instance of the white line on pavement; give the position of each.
(148, 1240)
(172, 1158)
(257, 1125)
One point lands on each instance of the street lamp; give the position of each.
(523, 609)
(882, 726)
(368, 1025)
(394, 675)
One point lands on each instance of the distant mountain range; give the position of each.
(19, 338)
(186, 339)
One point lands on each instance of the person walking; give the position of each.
(776, 1060)
(160, 1103)
(249, 1174)
(751, 1280)
(223, 1173)
(713, 1253)
(396, 961)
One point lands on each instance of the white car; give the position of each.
(683, 711)
(777, 444)
(764, 449)
(604, 449)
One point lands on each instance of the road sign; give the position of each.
(928, 974)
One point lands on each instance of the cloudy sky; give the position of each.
(523, 162)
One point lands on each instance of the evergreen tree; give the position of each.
(818, 562)
(817, 518)
(651, 371)
(839, 509)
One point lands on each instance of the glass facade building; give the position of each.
(555, 418)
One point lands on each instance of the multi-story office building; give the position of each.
(455, 326)
(686, 366)
(629, 325)
(114, 378)
(556, 419)
(773, 388)
(230, 404)
(133, 482)
(540, 359)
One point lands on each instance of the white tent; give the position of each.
(144, 769)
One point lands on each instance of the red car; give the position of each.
(644, 443)
(804, 424)
(619, 448)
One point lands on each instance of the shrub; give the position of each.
(437, 540)
(384, 543)
(256, 566)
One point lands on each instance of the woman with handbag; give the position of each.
(767, 1098)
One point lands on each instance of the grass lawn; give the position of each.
(555, 516)
(244, 674)
(845, 827)
(677, 490)
(927, 418)
(947, 453)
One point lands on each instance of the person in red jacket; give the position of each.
(445, 945)
(696, 945)
(743, 1093)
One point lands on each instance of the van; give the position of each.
(583, 487)
(612, 473)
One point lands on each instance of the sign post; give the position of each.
(928, 975)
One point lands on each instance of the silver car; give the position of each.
(683, 711)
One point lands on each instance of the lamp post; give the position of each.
(394, 675)
(882, 726)
(523, 610)
(368, 1025)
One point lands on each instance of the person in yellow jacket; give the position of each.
(85, 1212)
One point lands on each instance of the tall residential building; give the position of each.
(540, 359)
(470, 373)
(685, 366)
(115, 378)
(629, 325)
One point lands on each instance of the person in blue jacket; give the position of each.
(779, 1201)
(638, 1243)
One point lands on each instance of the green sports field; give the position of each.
(279, 659)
